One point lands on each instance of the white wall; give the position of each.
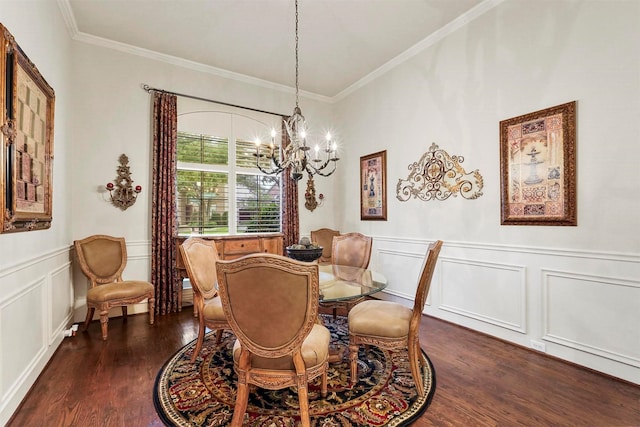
(113, 116)
(35, 271)
(575, 289)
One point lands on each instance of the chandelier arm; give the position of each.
(320, 172)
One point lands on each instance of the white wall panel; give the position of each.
(596, 314)
(61, 296)
(22, 333)
(490, 292)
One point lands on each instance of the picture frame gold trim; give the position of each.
(373, 186)
(27, 103)
(538, 167)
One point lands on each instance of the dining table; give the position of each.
(347, 284)
(343, 286)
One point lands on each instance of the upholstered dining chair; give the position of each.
(272, 305)
(352, 249)
(324, 237)
(393, 326)
(102, 260)
(200, 257)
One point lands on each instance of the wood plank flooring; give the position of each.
(481, 381)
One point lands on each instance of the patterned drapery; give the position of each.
(164, 224)
(290, 216)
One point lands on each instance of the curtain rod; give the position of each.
(149, 89)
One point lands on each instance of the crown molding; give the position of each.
(462, 20)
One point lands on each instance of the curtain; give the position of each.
(290, 216)
(164, 224)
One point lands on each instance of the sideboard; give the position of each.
(230, 247)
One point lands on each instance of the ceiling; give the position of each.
(341, 42)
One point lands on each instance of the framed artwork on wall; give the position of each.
(373, 186)
(538, 167)
(26, 131)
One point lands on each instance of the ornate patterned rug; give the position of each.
(203, 393)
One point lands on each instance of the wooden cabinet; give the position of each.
(231, 247)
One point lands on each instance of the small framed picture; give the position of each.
(373, 186)
(538, 167)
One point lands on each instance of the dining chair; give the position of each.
(324, 237)
(200, 257)
(102, 260)
(352, 249)
(392, 326)
(272, 305)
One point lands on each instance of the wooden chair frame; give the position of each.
(412, 340)
(109, 275)
(234, 277)
(200, 257)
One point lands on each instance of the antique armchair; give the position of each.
(200, 257)
(352, 249)
(272, 306)
(391, 325)
(324, 237)
(102, 260)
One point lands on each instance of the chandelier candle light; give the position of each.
(295, 155)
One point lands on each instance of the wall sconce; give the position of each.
(123, 194)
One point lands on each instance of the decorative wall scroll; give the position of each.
(437, 176)
(310, 195)
(26, 133)
(538, 167)
(123, 194)
(373, 186)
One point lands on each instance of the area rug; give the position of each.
(203, 393)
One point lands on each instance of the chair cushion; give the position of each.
(118, 290)
(380, 319)
(315, 350)
(212, 309)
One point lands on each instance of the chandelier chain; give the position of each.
(297, 95)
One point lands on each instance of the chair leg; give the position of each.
(414, 363)
(104, 322)
(242, 398)
(303, 401)
(218, 336)
(323, 386)
(353, 358)
(152, 310)
(200, 340)
(87, 320)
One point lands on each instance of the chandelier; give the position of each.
(296, 155)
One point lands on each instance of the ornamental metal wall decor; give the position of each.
(123, 195)
(438, 176)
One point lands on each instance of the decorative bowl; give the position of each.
(307, 254)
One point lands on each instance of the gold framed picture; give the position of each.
(373, 186)
(27, 103)
(538, 167)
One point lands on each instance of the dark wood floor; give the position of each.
(481, 381)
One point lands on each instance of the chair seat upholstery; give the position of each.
(380, 319)
(315, 350)
(212, 309)
(118, 290)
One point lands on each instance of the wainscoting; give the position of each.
(583, 307)
(36, 300)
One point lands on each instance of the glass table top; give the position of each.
(343, 283)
